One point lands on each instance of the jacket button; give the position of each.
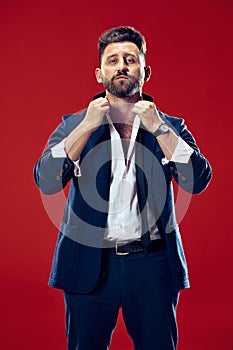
(66, 166)
(58, 178)
(171, 168)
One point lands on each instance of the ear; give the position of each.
(147, 70)
(98, 75)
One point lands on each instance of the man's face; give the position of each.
(122, 69)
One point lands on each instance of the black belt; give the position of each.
(136, 247)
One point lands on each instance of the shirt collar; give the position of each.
(144, 96)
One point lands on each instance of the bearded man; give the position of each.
(119, 244)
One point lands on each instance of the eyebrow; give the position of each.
(126, 54)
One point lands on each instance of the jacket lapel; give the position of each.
(100, 145)
(143, 159)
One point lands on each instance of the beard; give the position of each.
(122, 88)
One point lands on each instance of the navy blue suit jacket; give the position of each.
(77, 257)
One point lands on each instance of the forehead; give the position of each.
(120, 48)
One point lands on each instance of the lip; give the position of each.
(121, 77)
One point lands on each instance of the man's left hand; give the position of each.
(148, 114)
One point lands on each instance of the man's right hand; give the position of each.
(95, 113)
(77, 139)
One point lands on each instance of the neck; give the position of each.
(121, 108)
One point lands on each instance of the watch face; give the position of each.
(164, 128)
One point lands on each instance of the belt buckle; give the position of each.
(116, 249)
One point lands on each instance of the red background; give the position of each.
(48, 57)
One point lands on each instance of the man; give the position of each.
(119, 244)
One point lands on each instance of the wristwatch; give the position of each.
(162, 129)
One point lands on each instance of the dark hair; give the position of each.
(119, 34)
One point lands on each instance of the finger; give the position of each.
(100, 99)
(146, 104)
(103, 102)
(97, 101)
(138, 109)
(105, 109)
(142, 103)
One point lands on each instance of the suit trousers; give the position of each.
(140, 284)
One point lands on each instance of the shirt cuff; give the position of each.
(181, 154)
(58, 151)
(77, 170)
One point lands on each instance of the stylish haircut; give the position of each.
(119, 34)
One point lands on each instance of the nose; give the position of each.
(122, 65)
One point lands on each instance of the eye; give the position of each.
(112, 61)
(130, 60)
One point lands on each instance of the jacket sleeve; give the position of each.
(194, 176)
(52, 174)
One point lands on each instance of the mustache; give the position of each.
(120, 73)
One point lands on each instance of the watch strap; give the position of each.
(160, 130)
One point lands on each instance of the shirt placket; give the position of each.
(122, 173)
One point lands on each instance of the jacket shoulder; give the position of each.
(171, 119)
(71, 117)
